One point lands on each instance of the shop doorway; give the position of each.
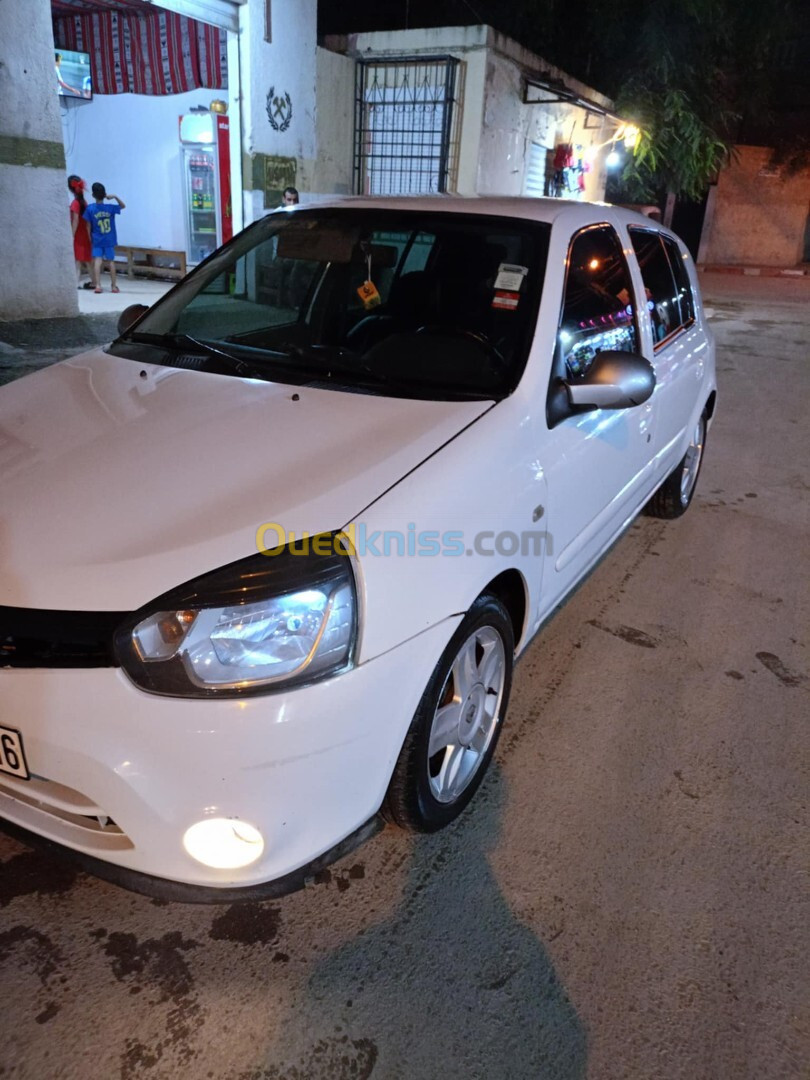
(160, 125)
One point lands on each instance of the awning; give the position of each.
(538, 91)
(223, 14)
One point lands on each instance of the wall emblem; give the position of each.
(279, 110)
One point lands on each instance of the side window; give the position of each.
(659, 284)
(598, 313)
(418, 253)
(684, 288)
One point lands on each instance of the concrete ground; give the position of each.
(135, 290)
(625, 899)
(30, 344)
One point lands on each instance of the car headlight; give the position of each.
(263, 623)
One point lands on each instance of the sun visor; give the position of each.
(332, 244)
(324, 244)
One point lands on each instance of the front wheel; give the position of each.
(456, 727)
(675, 494)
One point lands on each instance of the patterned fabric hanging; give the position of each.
(155, 53)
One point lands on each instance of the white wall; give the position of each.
(130, 143)
(39, 277)
(510, 127)
(496, 128)
(287, 64)
(469, 45)
(334, 168)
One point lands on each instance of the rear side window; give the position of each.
(685, 298)
(659, 283)
(666, 282)
(597, 314)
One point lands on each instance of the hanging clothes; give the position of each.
(563, 156)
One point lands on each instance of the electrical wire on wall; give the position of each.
(68, 129)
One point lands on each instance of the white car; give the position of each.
(268, 559)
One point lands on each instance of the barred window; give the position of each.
(406, 126)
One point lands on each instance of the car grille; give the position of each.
(68, 806)
(36, 637)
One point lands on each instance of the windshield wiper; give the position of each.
(236, 364)
(326, 355)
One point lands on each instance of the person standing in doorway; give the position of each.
(81, 231)
(102, 233)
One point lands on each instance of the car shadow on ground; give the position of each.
(451, 985)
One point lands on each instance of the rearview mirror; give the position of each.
(129, 316)
(615, 380)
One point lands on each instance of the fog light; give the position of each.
(223, 843)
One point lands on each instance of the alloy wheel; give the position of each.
(691, 462)
(468, 714)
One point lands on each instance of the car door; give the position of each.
(599, 462)
(671, 340)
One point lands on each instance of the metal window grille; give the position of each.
(406, 125)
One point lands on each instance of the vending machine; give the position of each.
(206, 162)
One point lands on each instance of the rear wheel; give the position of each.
(456, 727)
(675, 494)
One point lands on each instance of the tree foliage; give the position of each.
(698, 67)
(677, 151)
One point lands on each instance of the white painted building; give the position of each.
(485, 116)
(460, 109)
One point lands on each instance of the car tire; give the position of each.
(457, 724)
(675, 494)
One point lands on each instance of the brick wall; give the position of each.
(759, 214)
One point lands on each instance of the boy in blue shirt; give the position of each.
(102, 233)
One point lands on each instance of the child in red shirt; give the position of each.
(81, 231)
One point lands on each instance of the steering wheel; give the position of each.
(481, 340)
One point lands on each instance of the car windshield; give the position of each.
(438, 305)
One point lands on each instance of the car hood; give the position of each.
(120, 480)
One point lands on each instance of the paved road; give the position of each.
(623, 901)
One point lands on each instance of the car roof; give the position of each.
(575, 213)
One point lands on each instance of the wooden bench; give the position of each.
(144, 260)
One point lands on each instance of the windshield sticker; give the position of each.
(506, 301)
(369, 295)
(510, 277)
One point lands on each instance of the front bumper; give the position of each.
(119, 775)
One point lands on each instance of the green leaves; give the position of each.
(678, 149)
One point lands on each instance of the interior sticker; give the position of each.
(510, 277)
(506, 301)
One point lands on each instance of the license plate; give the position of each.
(12, 758)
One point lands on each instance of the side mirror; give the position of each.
(129, 316)
(615, 380)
